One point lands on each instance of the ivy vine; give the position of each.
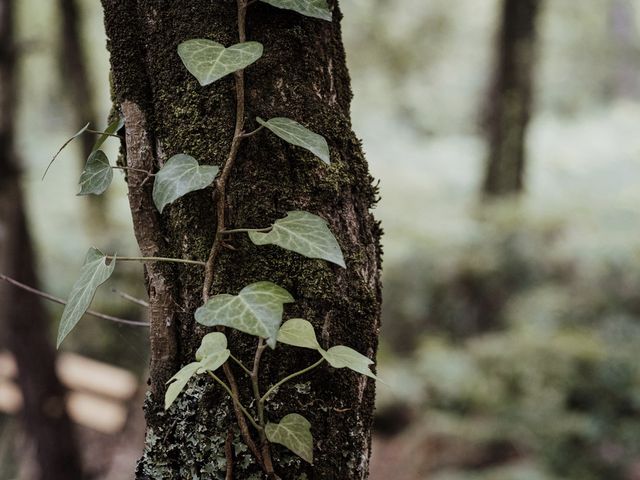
(258, 308)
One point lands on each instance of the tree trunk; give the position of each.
(510, 99)
(624, 76)
(75, 75)
(303, 76)
(24, 319)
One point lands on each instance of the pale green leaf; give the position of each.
(303, 233)
(341, 357)
(97, 174)
(213, 352)
(294, 432)
(310, 8)
(111, 129)
(294, 133)
(178, 382)
(256, 310)
(299, 333)
(212, 362)
(94, 272)
(211, 343)
(209, 61)
(180, 175)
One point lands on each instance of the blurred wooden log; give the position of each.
(99, 393)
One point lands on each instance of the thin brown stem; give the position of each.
(251, 134)
(242, 423)
(246, 230)
(264, 443)
(98, 132)
(220, 196)
(228, 451)
(131, 298)
(221, 184)
(118, 167)
(155, 259)
(51, 298)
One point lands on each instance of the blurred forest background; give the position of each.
(511, 301)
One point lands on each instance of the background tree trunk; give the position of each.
(74, 70)
(510, 99)
(24, 319)
(303, 76)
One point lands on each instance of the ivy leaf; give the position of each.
(97, 174)
(256, 310)
(299, 333)
(294, 133)
(303, 233)
(341, 357)
(209, 61)
(310, 8)
(180, 175)
(94, 272)
(294, 432)
(213, 352)
(178, 382)
(111, 129)
(212, 362)
(211, 343)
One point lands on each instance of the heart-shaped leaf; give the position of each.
(97, 174)
(180, 175)
(211, 343)
(341, 357)
(310, 8)
(294, 133)
(212, 362)
(294, 432)
(303, 233)
(111, 129)
(299, 333)
(213, 352)
(178, 382)
(256, 310)
(94, 272)
(209, 61)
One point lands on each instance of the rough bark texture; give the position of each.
(23, 317)
(303, 76)
(75, 75)
(510, 100)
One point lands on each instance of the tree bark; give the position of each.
(510, 99)
(303, 76)
(75, 74)
(24, 319)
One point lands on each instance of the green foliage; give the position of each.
(295, 134)
(178, 382)
(209, 61)
(345, 357)
(311, 8)
(294, 432)
(94, 272)
(210, 356)
(180, 175)
(299, 333)
(303, 233)
(111, 129)
(256, 310)
(97, 174)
